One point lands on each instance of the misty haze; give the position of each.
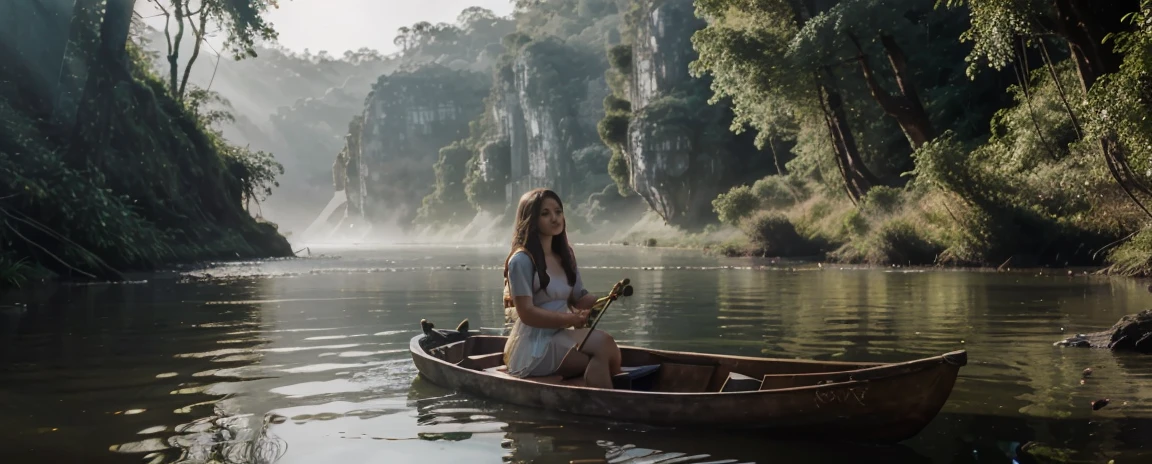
(575, 231)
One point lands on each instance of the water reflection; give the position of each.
(306, 361)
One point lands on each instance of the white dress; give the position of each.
(535, 351)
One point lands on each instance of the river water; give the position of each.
(305, 361)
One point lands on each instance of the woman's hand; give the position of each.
(578, 318)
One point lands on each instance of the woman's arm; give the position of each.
(585, 302)
(581, 297)
(535, 316)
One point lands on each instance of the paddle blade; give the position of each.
(627, 291)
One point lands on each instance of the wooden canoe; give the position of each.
(841, 401)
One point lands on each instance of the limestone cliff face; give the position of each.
(538, 110)
(347, 169)
(407, 118)
(672, 163)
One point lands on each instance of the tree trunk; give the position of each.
(174, 49)
(75, 63)
(116, 28)
(905, 108)
(857, 177)
(198, 34)
(916, 123)
(1084, 23)
(107, 66)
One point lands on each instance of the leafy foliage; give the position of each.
(448, 203)
(736, 204)
(778, 191)
(160, 188)
(774, 235)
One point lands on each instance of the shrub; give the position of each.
(773, 234)
(779, 191)
(1133, 258)
(618, 170)
(882, 199)
(735, 205)
(855, 225)
(900, 242)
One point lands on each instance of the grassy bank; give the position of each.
(916, 225)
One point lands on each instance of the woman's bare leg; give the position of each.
(573, 364)
(605, 360)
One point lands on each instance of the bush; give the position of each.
(735, 205)
(894, 242)
(1133, 258)
(620, 58)
(612, 103)
(882, 199)
(779, 191)
(855, 225)
(618, 170)
(900, 242)
(774, 235)
(613, 129)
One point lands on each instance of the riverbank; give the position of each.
(913, 226)
(88, 196)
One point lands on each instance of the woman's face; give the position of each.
(551, 222)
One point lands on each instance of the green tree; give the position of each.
(750, 49)
(1003, 31)
(448, 203)
(242, 20)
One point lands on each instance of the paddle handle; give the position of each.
(611, 297)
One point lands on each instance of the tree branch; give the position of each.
(167, 20)
(899, 63)
(1022, 76)
(58, 236)
(883, 97)
(174, 55)
(198, 33)
(45, 250)
(1060, 88)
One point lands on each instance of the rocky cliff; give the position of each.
(540, 120)
(678, 149)
(408, 117)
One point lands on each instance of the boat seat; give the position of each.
(483, 361)
(637, 378)
(502, 370)
(740, 383)
(633, 378)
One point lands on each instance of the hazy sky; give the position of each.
(339, 25)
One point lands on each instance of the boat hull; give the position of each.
(865, 402)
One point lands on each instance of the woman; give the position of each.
(544, 285)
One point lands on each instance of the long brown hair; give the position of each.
(526, 236)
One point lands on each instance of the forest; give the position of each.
(882, 132)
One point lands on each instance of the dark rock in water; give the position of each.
(1131, 333)
(434, 337)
